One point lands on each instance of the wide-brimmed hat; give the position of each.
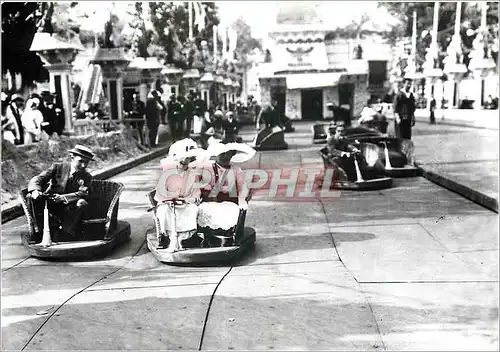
(33, 102)
(15, 97)
(185, 148)
(244, 152)
(82, 151)
(210, 132)
(218, 113)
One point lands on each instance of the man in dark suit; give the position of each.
(189, 110)
(153, 110)
(342, 154)
(270, 115)
(69, 185)
(14, 112)
(137, 112)
(174, 118)
(199, 104)
(404, 111)
(49, 113)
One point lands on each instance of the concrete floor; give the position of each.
(414, 267)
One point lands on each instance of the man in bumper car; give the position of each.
(69, 187)
(344, 154)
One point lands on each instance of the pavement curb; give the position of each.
(461, 124)
(16, 210)
(467, 192)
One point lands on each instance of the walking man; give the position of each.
(153, 109)
(404, 111)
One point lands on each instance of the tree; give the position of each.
(19, 25)
(471, 20)
(142, 37)
(171, 32)
(245, 43)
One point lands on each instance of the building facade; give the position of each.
(311, 67)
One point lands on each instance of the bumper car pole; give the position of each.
(388, 165)
(358, 171)
(174, 239)
(46, 240)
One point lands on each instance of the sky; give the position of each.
(260, 15)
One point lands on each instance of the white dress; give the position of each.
(182, 218)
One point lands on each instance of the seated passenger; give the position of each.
(342, 154)
(230, 126)
(69, 184)
(225, 196)
(178, 201)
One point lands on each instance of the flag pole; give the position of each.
(190, 10)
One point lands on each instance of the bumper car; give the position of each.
(101, 231)
(270, 138)
(348, 175)
(395, 154)
(216, 234)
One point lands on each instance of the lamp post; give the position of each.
(453, 67)
(480, 63)
(57, 56)
(431, 72)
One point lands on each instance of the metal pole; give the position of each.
(190, 11)
(458, 17)
(435, 21)
(414, 36)
(214, 29)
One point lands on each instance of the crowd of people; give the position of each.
(30, 121)
(189, 116)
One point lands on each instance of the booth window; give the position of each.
(377, 73)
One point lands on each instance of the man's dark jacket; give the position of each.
(57, 179)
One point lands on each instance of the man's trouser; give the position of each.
(153, 132)
(403, 129)
(189, 121)
(67, 216)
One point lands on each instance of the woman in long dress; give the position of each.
(177, 200)
(226, 194)
(32, 119)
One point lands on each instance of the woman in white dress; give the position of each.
(178, 202)
(226, 195)
(31, 120)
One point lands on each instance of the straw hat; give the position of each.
(82, 151)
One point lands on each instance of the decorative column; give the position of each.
(453, 65)
(431, 72)
(57, 56)
(112, 62)
(481, 63)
